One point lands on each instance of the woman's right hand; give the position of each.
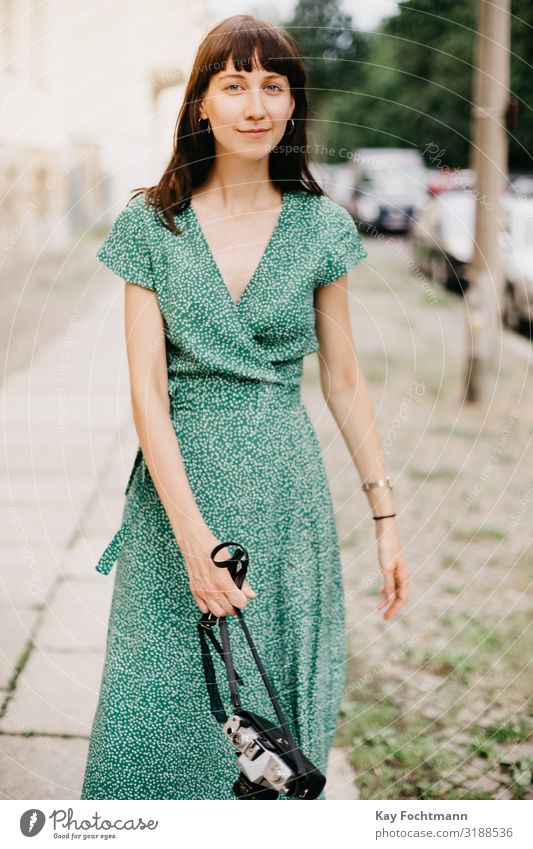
(212, 587)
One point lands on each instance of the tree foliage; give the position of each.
(409, 84)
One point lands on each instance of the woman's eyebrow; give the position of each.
(243, 76)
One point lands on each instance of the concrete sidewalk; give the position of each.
(460, 475)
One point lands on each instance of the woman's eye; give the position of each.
(233, 86)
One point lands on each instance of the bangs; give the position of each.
(261, 47)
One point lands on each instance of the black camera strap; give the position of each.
(237, 565)
(217, 708)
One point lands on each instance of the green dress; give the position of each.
(255, 467)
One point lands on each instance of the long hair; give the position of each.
(240, 37)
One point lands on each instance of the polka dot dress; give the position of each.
(255, 467)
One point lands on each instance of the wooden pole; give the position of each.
(488, 159)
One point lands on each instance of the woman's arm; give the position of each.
(348, 398)
(145, 343)
(212, 587)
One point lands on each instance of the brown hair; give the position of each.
(239, 37)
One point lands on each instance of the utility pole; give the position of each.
(488, 159)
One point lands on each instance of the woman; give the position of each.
(227, 263)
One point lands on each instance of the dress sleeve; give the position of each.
(125, 249)
(344, 249)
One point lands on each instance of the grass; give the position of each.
(445, 473)
(470, 650)
(511, 731)
(484, 532)
(449, 559)
(461, 433)
(452, 589)
(374, 375)
(394, 753)
(398, 753)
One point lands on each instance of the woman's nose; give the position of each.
(254, 104)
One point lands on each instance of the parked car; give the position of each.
(442, 238)
(516, 241)
(521, 184)
(442, 241)
(390, 188)
(447, 179)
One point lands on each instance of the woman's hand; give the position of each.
(212, 587)
(392, 564)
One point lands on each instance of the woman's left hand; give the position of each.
(392, 565)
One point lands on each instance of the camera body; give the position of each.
(266, 761)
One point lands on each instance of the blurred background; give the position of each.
(421, 125)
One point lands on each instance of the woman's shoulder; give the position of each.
(323, 211)
(141, 206)
(140, 212)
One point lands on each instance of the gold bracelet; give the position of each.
(381, 482)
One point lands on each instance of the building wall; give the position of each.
(83, 116)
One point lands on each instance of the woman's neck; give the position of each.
(237, 190)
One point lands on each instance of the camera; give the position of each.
(266, 761)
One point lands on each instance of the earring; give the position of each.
(292, 128)
(208, 128)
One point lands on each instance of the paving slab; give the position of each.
(55, 694)
(340, 777)
(41, 767)
(77, 617)
(46, 767)
(81, 559)
(17, 627)
(28, 574)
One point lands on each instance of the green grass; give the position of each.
(374, 375)
(480, 748)
(484, 532)
(397, 753)
(449, 559)
(393, 753)
(452, 662)
(452, 589)
(445, 473)
(446, 619)
(513, 730)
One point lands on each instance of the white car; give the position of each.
(442, 238)
(516, 241)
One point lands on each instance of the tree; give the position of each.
(332, 53)
(409, 84)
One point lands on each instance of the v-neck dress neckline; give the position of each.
(264, 256)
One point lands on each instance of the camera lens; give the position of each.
(242, 739)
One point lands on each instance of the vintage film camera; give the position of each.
(269, 760)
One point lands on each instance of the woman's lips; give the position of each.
(253, 132)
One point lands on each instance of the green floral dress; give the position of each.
(255, 466)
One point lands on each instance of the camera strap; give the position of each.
(237, 566)
(217, 708)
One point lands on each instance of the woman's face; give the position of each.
(236, 103)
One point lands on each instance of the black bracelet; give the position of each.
(384, 517)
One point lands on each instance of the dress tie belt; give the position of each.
(108, 558)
